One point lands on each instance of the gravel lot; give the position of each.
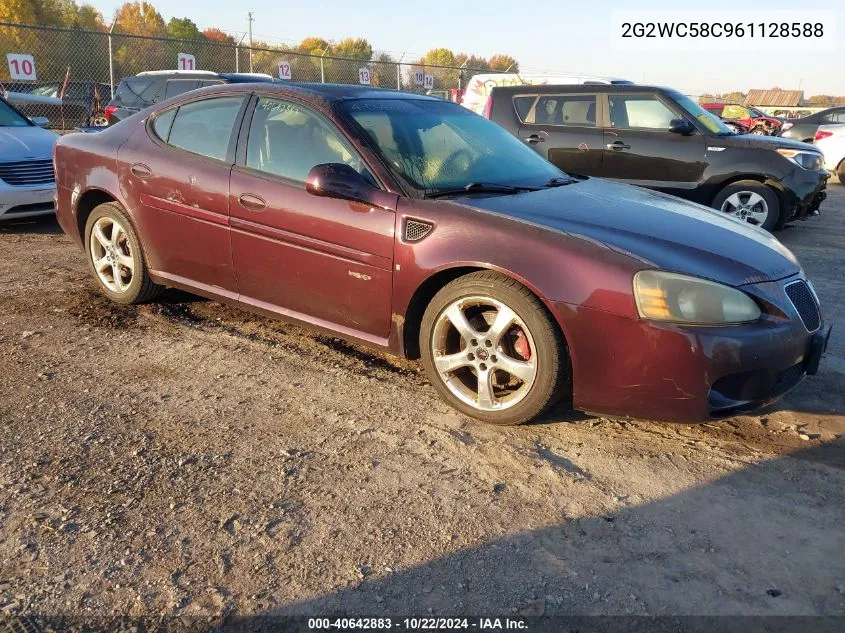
(185, 458)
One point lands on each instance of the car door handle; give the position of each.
(533, 138)
(617, 145)
(251, 202)
(140, 170)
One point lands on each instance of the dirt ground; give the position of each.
(188, 459)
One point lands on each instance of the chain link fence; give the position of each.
(72, 74)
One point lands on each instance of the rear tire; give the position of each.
(115, 256)
(505, 362)
(736, 198)
(840, 173)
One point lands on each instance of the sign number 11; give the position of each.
(186, 61)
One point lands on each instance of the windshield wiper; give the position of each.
(557, 181)
(480, 187)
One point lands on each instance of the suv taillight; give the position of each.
(488, 107)
(822, 134)
(109, 111)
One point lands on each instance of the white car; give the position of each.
(27, 182)
(830, 139)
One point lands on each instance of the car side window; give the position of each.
(287, 140)
(639, 111)
(205, 127)
(523, 104)
(575, 110)
(834, 117)
(162, 123)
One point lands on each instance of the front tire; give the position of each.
(492, 351)
(752, 202)
(115, 256)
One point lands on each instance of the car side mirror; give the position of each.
(41, 121)
(339, 180)
(681, 126)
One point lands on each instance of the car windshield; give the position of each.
(10, 118)
(438, 146)
(707, 119)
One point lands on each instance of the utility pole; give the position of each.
(251, 20)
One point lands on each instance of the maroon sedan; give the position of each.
(414, 226)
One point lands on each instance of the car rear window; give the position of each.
(135, 92)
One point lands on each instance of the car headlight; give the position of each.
(663, 296)
(787, 125)
(803, 158)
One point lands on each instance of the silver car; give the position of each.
(27, 182)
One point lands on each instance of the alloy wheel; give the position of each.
(484, 353)
(111, 254)
(749, 206)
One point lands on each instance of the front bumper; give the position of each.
(677, 373)
(803, 192)
(27, 201)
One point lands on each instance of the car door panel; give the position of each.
(568, 142)
(180, 202)
(318, 259)
(652, 156)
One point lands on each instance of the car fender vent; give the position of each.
(415, 230)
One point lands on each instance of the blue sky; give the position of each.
(542, 35)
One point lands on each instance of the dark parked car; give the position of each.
(80, 103)
(151, 87)
(412, 225)
(661, 139)
(804, 129)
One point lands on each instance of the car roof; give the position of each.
(585, 87)
(316, 91)
(181, 73)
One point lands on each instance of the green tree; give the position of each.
(383, 71)
(313, 46)
(503, 63)
(183, 29)
(355, 48)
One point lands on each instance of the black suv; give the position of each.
(658, 138)
(147, 88)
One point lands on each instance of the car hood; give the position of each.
(24, 143)
(762, 142)
(659, 230)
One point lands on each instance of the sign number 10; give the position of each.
(21, 66)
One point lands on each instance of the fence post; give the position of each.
(237, 58)
(399, 72)
(111, 59)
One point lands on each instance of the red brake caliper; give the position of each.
(521, 345)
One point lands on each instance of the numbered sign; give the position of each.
(428, 82)
(21, 66)
(364, 76)
(186, 61)
(419, 77)
(284, 70)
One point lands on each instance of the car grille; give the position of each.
(804, 301)
(787, 379)
(29, 172)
